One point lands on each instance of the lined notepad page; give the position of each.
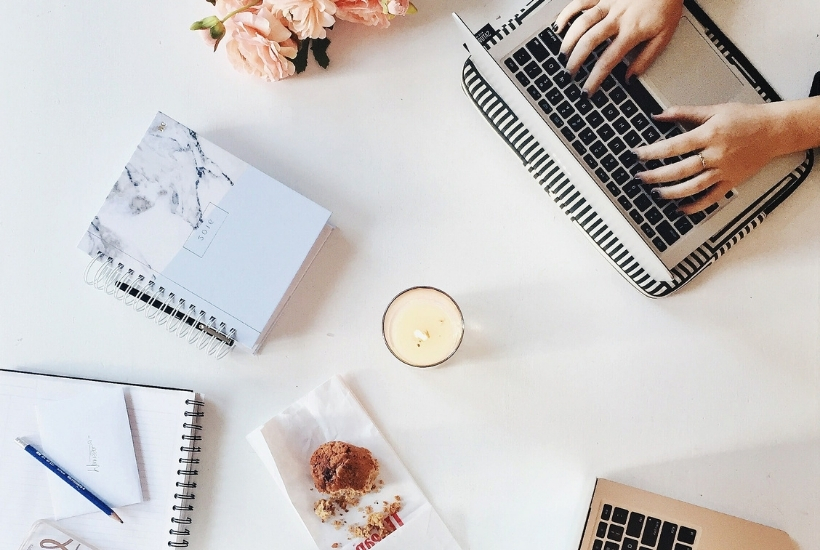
(157, 416)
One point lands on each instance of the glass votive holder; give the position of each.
(423, 326)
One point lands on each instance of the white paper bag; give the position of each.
(332, 413)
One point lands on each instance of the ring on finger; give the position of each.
(601, 12)
(702, 161)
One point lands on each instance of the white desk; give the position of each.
(565, 373)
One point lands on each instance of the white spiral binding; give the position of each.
(133, 291)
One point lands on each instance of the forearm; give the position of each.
(795, 124)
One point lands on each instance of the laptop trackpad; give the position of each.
(691, 72)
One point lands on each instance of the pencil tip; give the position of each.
(116, 517)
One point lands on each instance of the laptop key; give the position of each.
(624, 201)
(610, 112)
(566, 110)
(627, 158)
(598, 149)
(606, 132)
(556, 119)
(670, 236)
(680, 546)
(567, 133)
(538, 51)
(609, 545)
(562, 78)
(642, 202)
(629, 109)
(598, 545)
(555, 96)
(683, 225)
(545, 106)
(632, 190)
(712, 208)
(671, 211)
(543, 82)
(573, 92)
(617, 146)
(667, 539)
(642, 97)
(653, 215)
(649, 232)
(651, 135)
(601, 532)
(697, 217)
(583, 106)
(635, 215)
(632, 137)
(587, 136)
(599, 99)
(595, 119)
(590, 160)
(613, 189)
(621, 176)
(616, 532)
(686, 534)
(552, 66)
(551, 40)
(534, 92)
(621, 125)
(652, 164)
(631, 544)
(617, 95)
(578, 146)
(532, 69)
(604, 177)
(522, 78)
(640, 122)
(522, 56)
(608, 83)
(609, 162)
(576, 122)
(511, 65)
(661, 246)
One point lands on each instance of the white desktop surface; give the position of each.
(565, 373)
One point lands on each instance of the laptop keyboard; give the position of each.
(620, 529)
(602, 129)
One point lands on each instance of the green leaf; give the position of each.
(301, 59)
(319, 49)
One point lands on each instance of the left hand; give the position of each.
(734, 141)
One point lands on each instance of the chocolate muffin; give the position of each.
(343, 470)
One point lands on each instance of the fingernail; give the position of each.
(638, 178)
(554, 27)
(562, 58)
(655, 193)
(584, 93)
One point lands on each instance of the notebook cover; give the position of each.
(550, 177)
(206, 226)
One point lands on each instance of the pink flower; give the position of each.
(396, 7)
(307, 18)
(366, 12)
(258, 42)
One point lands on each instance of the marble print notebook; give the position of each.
(200, 241)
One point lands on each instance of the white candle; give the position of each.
(423, 326)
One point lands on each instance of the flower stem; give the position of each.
(240, 10)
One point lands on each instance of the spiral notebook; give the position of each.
(167, 439)
(201, 242)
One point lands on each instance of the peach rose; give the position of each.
(259, 43)
(307, 18)
(366, 12)
(396, 7)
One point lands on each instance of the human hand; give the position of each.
(629, 23)
(730, 143)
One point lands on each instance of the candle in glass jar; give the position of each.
(423, 326)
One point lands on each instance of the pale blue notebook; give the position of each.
(201, 242)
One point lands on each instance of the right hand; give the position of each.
(629, 23)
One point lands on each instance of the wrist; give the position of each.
(793, 125)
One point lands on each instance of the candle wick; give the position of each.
(421, 335)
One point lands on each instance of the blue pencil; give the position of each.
(45, 461)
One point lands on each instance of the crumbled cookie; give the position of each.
(343, 471)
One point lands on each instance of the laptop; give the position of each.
(625, 518)
(590, 139)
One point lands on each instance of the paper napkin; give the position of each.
(332, 413)
(89, 436)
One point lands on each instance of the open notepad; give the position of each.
(166, 439)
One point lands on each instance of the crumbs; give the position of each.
(375, 521)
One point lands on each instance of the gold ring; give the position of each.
(702, 161)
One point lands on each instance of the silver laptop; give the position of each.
(625, 518)
(590, 138)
